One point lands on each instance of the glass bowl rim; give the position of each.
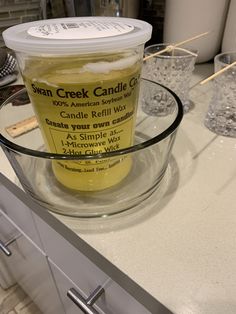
(164, 45)
(124, 151)
(217, 58)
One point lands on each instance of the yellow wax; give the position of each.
(95, 176)
(86, 106)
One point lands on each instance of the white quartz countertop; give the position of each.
(180, 244)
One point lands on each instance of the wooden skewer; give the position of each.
(187, 51)
(217, 73)
(175, 45)
(190, 39)
(158, 53)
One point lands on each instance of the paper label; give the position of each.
(85, 113)
(85, 29)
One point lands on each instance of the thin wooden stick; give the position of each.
(217, 73)
(168, 48)
(190, 39)
(175, 45)
(186, 50)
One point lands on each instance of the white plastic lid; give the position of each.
(77, 35)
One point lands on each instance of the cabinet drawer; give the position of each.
(112, 299)
(7, 230)
(63, 285)
(12, 204)
(74, 257)
(77, 265)
(29, 266)
(70, 260)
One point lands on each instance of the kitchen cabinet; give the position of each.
(111, 298)
(64, 283)
(84, 273)
(7, 233)
(19, 213)
(76, 268)
(28, 265)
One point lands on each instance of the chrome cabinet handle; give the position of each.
(4, 249)
(86, 305)
(4, 246)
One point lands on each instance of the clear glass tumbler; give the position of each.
(173, 69)
(221, 115)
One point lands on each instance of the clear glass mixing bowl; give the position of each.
(149, 156)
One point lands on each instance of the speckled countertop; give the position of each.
(180, 244)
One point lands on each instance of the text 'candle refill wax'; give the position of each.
(82, 76)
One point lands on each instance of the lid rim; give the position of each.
(17, 38)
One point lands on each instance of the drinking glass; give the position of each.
(221, 114)
(173, 69)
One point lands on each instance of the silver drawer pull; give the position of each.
(4, 246)
(86, 305)
(4, 249)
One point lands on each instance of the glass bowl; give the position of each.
(141, 167)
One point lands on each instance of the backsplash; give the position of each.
(14, 12)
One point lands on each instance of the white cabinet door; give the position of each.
(28, 265)
(88, 270)
(63, 285)
(7, 232)
(78, 265)
(12, 205)
(109, 299)
(70, 260)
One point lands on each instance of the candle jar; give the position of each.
(82, 76)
